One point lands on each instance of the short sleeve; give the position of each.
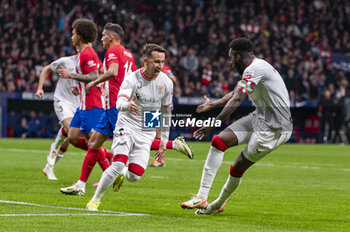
(250, 80)
(127, 88)
(56, 64)
(112, 57)
(90, 63)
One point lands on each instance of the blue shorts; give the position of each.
(107, 122)
(86, 119)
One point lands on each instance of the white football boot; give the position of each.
(47, 171)
(195, 202)
(73, 190)
(211, 210)
(182, 147)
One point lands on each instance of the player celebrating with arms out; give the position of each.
(263, 130)
(146, 88)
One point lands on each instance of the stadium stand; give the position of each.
(307, 41)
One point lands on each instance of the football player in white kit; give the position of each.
(145, 89)
(65, 105)
(263, 130)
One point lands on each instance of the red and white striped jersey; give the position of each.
(87, 62)
(126, 65)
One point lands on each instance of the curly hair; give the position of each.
(149, 48)
(114, 29)
(86, 29)
(242, 45)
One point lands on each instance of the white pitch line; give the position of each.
(63, 214)
(159, 177)
(71, 208)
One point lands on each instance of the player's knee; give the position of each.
(135, 172)
(115, 169)
(218, 143)
(73, 140)
(132, 177)
(93, 144)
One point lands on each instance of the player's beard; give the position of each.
(238, 68)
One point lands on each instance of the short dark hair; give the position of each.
(86, 29)
(115, 29)
(242, 45)
(149, 48)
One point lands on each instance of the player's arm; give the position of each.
(166, 115)
(111, 72)
(43, 75)
(231, 106)
(91, 76)
(234, 102)
(126, 99)
(209, 105)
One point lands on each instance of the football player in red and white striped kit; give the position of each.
(92, 102)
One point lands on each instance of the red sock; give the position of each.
(109, 156)
(169, 145)
(63, 149)
(64, 132)
(102, 159)
(81, 143)
(88, 164)
(155, 144)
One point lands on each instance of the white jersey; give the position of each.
(266, 88)
(63, 87)
(150, 95)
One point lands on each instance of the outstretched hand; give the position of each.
(205, 106)
(132, 107)
(201, 132)
(161, 151)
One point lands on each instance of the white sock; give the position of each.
(210, 168)
(107, 179)
(59, 139)
(105, 182)
(125, 170)
(230, 186)
(59, 156)
(48, 166)
(174, 146)
(81, 184)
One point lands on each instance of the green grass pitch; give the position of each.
(295, 188)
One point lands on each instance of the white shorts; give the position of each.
(260, 139)
(134, 144)
(64, 109)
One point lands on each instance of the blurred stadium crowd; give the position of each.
(297, 37)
